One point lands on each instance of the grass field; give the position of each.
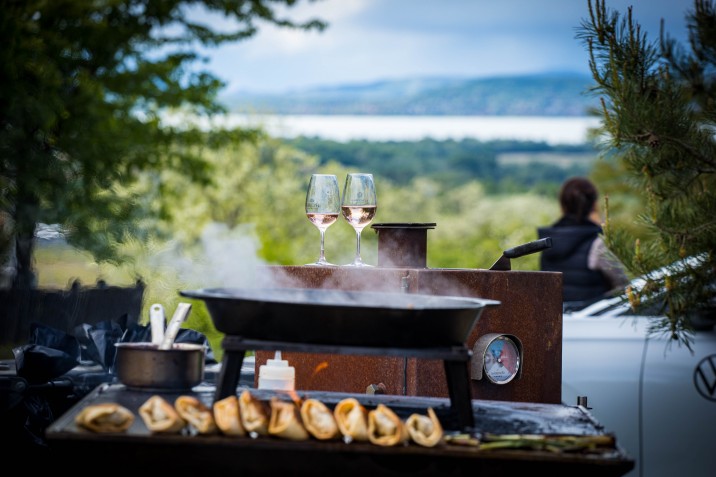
(58, 265)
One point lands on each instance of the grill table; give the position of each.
(139, 451)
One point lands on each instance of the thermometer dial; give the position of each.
(501, 360)
(498, 357)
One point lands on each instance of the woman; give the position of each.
(589, 271)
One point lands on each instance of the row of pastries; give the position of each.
(245, 415)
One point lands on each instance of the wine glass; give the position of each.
(323, 204)
(358, 207)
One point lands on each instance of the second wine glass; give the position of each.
(358, 206)
(323, 204)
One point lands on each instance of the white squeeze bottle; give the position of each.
(277, 374)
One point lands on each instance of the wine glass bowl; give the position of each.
(323, 205)
(358, 206)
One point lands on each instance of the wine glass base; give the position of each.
(358, 265)
(321, 264)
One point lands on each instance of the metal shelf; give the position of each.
(455, 360)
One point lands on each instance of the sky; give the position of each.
(373, 40)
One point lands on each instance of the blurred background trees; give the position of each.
(86, 87)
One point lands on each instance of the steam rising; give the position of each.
(225, 258)
(229, 258)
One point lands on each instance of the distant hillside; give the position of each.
(535, 95)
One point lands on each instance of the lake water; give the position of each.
(552, 130)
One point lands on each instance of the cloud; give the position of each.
(368, 40)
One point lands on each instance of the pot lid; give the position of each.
(405, 225)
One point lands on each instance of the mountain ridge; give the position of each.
(544, 94)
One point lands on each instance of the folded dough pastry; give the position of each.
(425, 430)
(105, 417)
(319, 420)
(352, 419)
(160, 416)
(226, 415)
(385, 428)
(286, 421)
(255, 414)
(196, 413)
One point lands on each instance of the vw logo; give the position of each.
(705, 377)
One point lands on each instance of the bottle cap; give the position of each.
(277, 374)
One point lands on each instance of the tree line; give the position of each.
(457, 162)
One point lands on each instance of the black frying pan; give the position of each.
(339, 317)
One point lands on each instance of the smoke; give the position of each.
(225, 257)
(229, 258)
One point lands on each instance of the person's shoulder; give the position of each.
(598, 247)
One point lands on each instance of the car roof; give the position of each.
(619, 305)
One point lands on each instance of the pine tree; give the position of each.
(658, 110)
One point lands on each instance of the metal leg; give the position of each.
(459, 392)
(229, 374)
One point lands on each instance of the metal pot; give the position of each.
(402, 244)
(339, 317)
(145, 366)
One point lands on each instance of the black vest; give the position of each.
(569, 254)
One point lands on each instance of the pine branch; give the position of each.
(658, 107)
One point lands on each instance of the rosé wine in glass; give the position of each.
(359, 205)
(323, 205)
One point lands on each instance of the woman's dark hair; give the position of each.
(577, 198)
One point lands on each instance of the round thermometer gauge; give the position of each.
(501, 360)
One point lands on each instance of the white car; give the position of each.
(658, 398)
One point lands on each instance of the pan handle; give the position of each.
(528, 248)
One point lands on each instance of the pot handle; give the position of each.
(157, 322)
(180, 315)
(528, 248)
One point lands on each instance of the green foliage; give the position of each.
(260, 192)
(86, 88)
(452, 162)
(474, 228)
(658, 119)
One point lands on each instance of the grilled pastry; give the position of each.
(105, 417)
(160, 416)
(226, 415)
(385, 428)
(319, 420)
(255, 414)
(425, 430)
(352, 419)
(286, 421)
(196, 413)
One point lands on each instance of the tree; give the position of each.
(85, 89)
(658, 113)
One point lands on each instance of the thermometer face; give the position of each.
(502, 360)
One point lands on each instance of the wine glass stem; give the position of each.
(357, 260)
(322, 257)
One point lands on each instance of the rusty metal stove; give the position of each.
(531, 309)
